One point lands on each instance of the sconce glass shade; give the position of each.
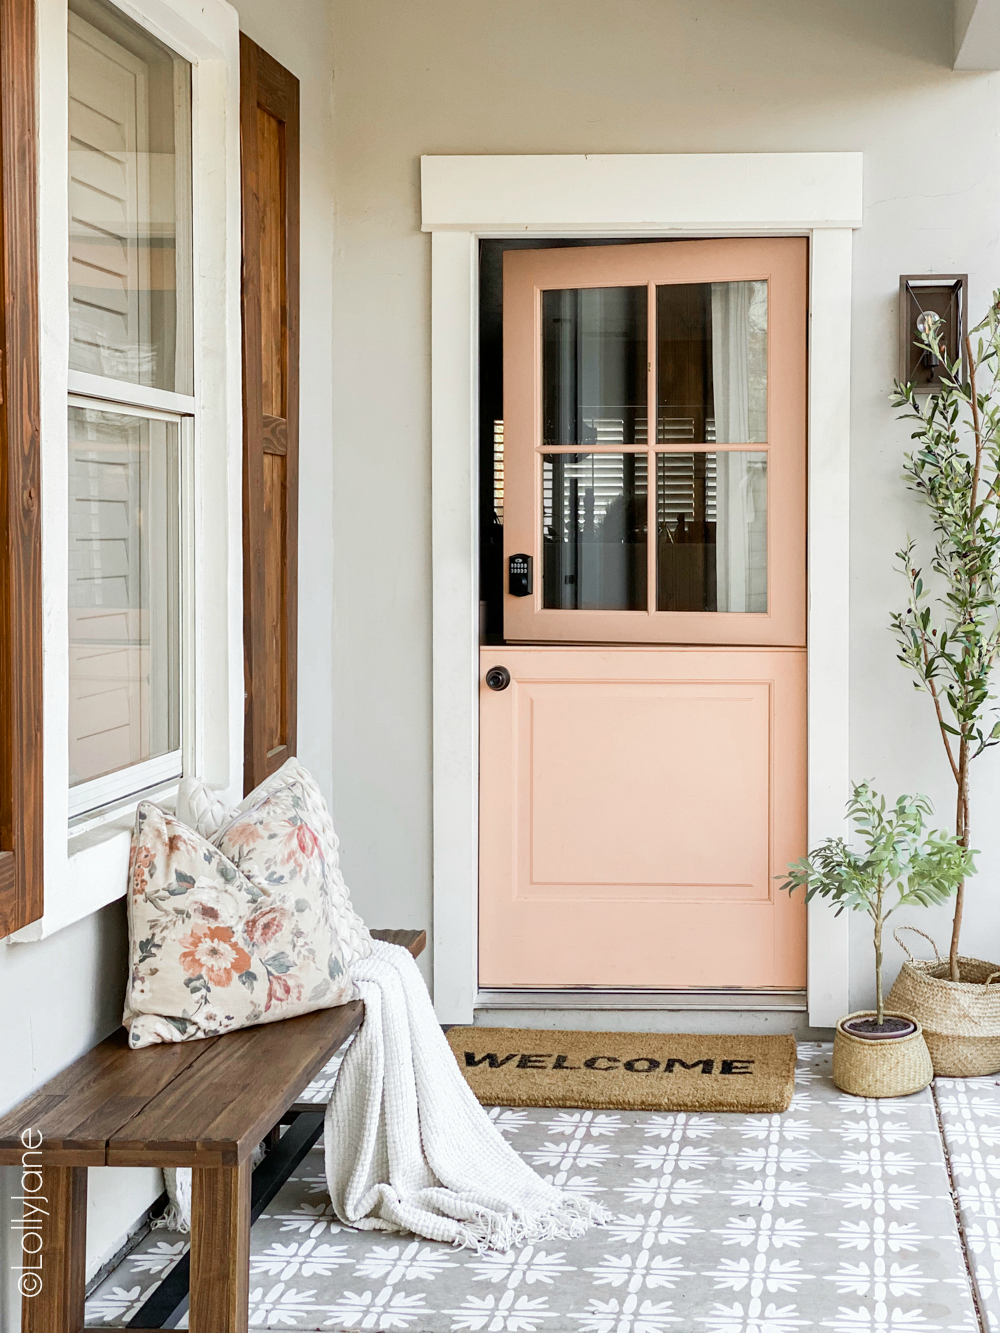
(922, 295)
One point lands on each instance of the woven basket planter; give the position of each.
(960, 1019)
(882, 1068)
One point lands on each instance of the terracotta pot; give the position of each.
(880, 1066)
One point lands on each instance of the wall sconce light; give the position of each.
(922, 294)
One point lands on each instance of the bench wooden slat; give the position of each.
(215, 1113)
(79, 1109)
(414, 940)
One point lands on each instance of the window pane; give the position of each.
(594, 531)
(129, 202)
(711, 357)
(711, 531)
(124, 591)
(594, 366)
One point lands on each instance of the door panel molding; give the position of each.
(653, 195)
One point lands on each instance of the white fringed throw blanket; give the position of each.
(409, 1148)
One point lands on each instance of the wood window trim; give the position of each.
(20, 491)
(266, 86)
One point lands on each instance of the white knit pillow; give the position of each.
(203, 810)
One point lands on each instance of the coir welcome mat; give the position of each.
(632, 1071)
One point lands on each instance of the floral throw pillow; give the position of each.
(288, 807)
(202, 809)
(212, 951)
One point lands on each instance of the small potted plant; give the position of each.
(875, 1053)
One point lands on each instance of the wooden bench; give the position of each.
(204, 1104)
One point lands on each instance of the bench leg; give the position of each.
(220, 1248)
(58, 1306)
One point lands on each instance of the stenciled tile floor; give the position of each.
(836, 1215)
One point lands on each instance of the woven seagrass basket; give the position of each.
(960, 1019)
(888, 1068)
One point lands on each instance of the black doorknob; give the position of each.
(498, 678)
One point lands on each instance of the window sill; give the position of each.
(96, 872)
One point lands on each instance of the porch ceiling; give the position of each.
(977, 35)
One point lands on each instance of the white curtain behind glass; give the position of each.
(739, 374)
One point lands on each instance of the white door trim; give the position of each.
(468, 198)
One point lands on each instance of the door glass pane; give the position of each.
(594, 366)
(711, 531)
(594, 531)
(124, 591)
(129, 202)
(711, 359)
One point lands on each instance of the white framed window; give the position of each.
(126, 491)
(132, 416)
(141, 425)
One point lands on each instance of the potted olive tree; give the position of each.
(879, 1052)
(949, 639)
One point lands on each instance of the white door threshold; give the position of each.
(596, 1010)
(598, 997)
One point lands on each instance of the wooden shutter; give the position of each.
(20, 501)
(269, 128)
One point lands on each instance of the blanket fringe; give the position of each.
(177, 1215)
(173, 1219)
(505, 1231)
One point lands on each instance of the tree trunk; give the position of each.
(973, 588)
(962, 834)
(879, 1006)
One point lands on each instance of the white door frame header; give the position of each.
(465, 199)
(638, 194)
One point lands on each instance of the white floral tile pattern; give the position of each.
(834, 1216)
